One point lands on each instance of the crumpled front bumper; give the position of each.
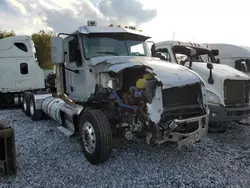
(184, 139)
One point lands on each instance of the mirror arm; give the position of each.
(210, 79)
(75, 71)
(190, 59)
(190, 62)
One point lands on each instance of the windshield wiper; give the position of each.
(113, 53)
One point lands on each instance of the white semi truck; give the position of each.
(227, 89)
(107, 82)
(19, 70)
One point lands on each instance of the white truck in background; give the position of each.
(227, 89)
(107, 82)
(234, 56)
(19, 70)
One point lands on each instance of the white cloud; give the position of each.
(67, 15)
(126, 11)
(192, 20)
(18, 6)
(200, 21)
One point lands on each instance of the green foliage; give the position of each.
(5, 33)
(43, 51)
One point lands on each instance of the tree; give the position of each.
(5, 33)
(43, 51)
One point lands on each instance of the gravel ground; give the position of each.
(46, 158)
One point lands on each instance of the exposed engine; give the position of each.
(132, 103)
(127, 98)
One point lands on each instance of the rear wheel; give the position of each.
(35, 113)
(95, 136)
(26, 103)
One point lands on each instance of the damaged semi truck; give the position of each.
(227, 89)
(19, 70)
(107, 83)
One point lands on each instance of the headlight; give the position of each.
(212, 98)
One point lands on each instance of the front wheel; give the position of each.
(95, 136)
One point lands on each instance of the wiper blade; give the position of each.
(113, 53)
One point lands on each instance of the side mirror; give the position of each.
(153, 51)
(218, 61)
(215, 52)
(243, 66)
(210, 66)
(57, 50)
(192, 52)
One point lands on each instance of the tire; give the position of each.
(35, 114)
(26, 103)
(95, 121)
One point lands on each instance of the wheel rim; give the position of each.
(31, 107)
(24, 104)
(88, 137)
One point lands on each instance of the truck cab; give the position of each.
(107, 76)
(19, 70)
(227, 89)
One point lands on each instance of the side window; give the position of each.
(21, 46)
(205, 58)
(137, 50)
(163, 54)
(74, 52)
(24, 68)
(181, 58)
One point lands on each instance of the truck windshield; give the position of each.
(122, 44)
(204, 55)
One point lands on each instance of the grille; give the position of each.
(236, 92)
(181, 96)
(182, 113)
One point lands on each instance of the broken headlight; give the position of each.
(212, 98)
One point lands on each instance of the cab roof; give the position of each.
(16, 38)
(180, 43)
(109, 29)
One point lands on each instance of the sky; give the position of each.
(213, 21)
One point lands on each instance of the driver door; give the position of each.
(73, 61)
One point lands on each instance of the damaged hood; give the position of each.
(220, 71)
(170, 74)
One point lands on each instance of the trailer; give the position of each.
(19, 70)
(227, 89)
(235, 56)
(107, 84)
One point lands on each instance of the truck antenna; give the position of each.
(173, 38)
